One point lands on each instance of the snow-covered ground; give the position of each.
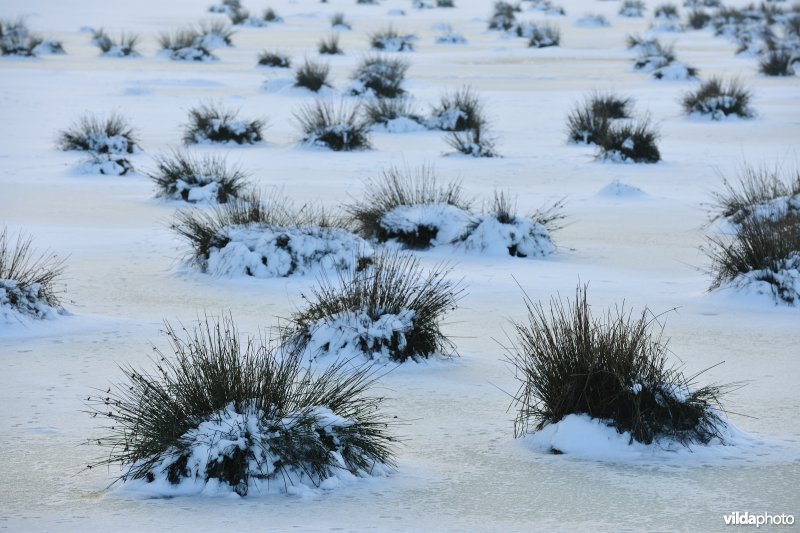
(632, 232)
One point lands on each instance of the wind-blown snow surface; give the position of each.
(459, 467)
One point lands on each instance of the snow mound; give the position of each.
(106, 164)
(520, 237)
(400, 125)
(356, 334)
(190, 53)
(425, 225)
(617, 189)
(583, 437)
(18, 301)
(264, 251)
(773, 211)
(451, 38)
(592, 21)
(216, 447)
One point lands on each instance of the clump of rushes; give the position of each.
(17, 39)
(718, 99)
(269, 58)
(236, 413)
(212, 123)
(777, 62)
(181, 176)
(100, 135)
(632, 8)
(409, 206)
(338, 127)
(589, 121)
(380, 111)
(390, 40)
(613, 368)
(385, 308)
(379, 75)
(475, 142)
(266, 238)
(697, 19)
(460, 110)
(338, 22)
(28, 281)
(125, 46)
(215, 34)
(503, 18)
(271, 16)
(330, 45)
(759, 191)
(764, 253)
(543, 36)
(185, 45)
(666, 12)
(312, 76)
(630, 141)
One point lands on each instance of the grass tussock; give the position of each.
(101, 135)
(181, 176)
(381, 76)
(124, 46)
(544, 35)
(403, 187)
(504, 16)
(259, 414)
(380, 111)
(632, 8)
(762, 250)
(213, 123)
(330, 45)
(460, 110)
(757, 189)
(697, 19)
(385, 286)
(339, 22)
(778, 63)
(312, 76)
(476, 142)
(718, 99)
(613, 367)
(390, 40)
(26, 277)
(589, 121)
(186, 44)
(630, 141)
(274, 58)
(337, 127)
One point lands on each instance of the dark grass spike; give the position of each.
(312, 76)
(764, 247)
(613, 367)
(211, 122)
(778, 63)
(211, 373)
(338, 21)
(382, 75)
(178, 173)
(719, 98)
(630, 140)
(269, 58)
(330, 45)
(459, 110)
(389, 283)
(382, 110)
(402, 186)
(93, 133)
(338, 127)
(19, 263)
(754, 187)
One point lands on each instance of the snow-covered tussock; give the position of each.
(520, 237)
(18, 300)
(266, 251)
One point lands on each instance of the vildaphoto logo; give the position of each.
(758, 520)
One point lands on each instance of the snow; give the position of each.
(459, 467)
(449, 221)
(20, 302)
(675, 71)
(522, 237)
(265, 251)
